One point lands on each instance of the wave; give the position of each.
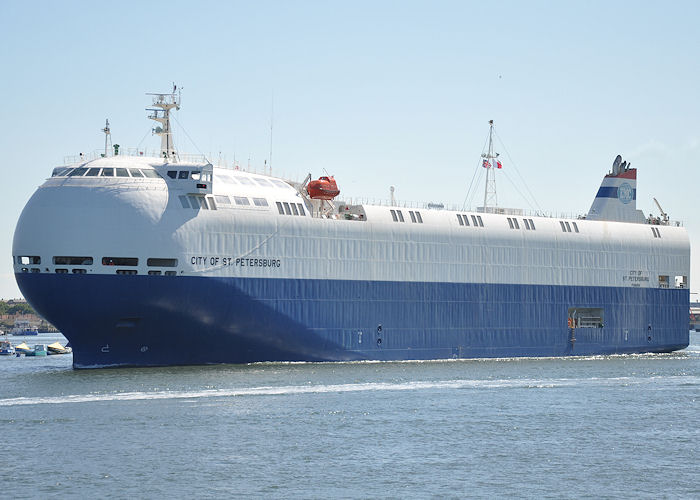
(346, 388)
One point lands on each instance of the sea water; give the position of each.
(589, 427)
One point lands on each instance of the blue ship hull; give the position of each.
(159, 320)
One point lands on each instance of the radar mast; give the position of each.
(490, 160)
(162, 104)
(108, 138)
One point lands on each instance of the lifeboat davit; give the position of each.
(324, 188)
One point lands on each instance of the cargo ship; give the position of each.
(164, 259)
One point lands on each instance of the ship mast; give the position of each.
(163, 103)
(489, 162)
(108, 138)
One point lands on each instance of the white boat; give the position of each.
(6, 348)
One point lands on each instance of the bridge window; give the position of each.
(400, 214)
(241, 200)
(78, 172)
(420, 219)
(121, 172)
(184, 174)
(287, 210)
(301, 208)
(135, 172)
(172, 174)
(222, 199)
(151, 173)
(59, 171)
(92, 172)
(393, 216)
(279, 208)
(575, 226)
(260, 202)
(107, 172)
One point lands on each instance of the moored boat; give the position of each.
(24, 328)
(57, 348)
(38, 350)
(6, 348)
(23, 348)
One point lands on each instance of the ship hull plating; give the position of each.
(180, 320)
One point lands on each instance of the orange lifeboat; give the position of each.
(324, 188)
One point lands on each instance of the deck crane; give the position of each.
(664, 215)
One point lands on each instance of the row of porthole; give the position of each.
(88, 261)
(60, 270)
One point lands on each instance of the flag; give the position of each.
(499, 164)
(486, 164)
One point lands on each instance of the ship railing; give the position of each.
(144, 152)
(423, 205)
(656, 221)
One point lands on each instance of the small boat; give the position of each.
(39, 350)
(6, 348)
(24, 328)
(57, 348)
(324, 188)
(23, 348)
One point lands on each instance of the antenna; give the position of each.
(108, 138)
(163, 103)
(490, 198)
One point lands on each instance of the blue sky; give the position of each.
(377, 93)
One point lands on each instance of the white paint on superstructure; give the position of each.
(151, 217)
